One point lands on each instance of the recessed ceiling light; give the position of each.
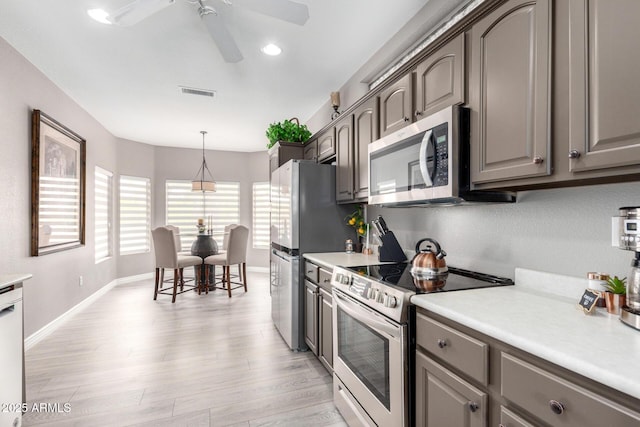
(99, 15)
(271, 50)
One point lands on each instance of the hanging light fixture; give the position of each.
(202, 182)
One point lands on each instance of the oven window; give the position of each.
(366, 353)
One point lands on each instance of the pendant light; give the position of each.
(201, 182)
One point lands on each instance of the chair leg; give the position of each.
(175, 285)
(228, 275)
(182, 279)
(204, 282)
(199, 278)
(155, 292)
(240, 278)
(244, 275)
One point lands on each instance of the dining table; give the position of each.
(203, 246)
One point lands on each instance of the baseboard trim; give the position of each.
(50, 327)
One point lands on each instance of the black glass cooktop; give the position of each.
(457, 279)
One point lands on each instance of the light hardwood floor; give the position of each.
(206, 360)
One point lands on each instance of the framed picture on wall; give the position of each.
(58, 168)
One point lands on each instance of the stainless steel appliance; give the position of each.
(626, 235)
(374, 339)
(426, 162)
(304, 218)
(11, 361)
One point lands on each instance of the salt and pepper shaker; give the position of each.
(348, 246)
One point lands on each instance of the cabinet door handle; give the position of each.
(556, 407)
(442, 343)
(418, 113)
(538, 160)
(406, 119)
(574, 154)
(473, 406)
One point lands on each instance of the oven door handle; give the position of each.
(424, 169)
(368, 317)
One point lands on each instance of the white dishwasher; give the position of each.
(11, 347)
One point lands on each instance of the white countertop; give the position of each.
(331, 259)
(552, 327)
(13, 279)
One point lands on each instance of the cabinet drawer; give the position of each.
(311, 271)
(461, 351)
(509, 419)
(324, 279)
(557, 401)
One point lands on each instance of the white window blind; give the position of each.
(184, 207)
(261, 213)
(135, 215)
(103, 198)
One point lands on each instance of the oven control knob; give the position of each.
(390, 301)
(380, 297)
(371, 293)
(344, 279)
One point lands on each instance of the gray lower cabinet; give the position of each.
(445, 399)
(318, 303)
(521, 390)
(509, 92)
(325, 328)
(311, 316)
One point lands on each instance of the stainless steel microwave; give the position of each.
(426, 162)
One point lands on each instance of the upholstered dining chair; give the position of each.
(166, 254)
(176, 236)
(236, 253)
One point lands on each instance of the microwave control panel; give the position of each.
(441, 142)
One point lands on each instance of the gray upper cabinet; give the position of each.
(440, 79)
(395, 105)
(366, 131)
(604, 90)
(509, 92)
(311, 150)
(344, 159)
(326, 145)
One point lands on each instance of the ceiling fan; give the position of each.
(285, 10)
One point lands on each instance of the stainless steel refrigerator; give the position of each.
(304, 218)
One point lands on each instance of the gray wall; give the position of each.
(54, 288)
(565, 231)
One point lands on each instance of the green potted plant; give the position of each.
(287, 131)
(616, 291)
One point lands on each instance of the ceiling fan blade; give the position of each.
(222, 37)
(285, 10)
(138, 10)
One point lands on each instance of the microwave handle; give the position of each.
(424, 169)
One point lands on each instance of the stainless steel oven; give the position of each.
(370, 359)
(374, 339)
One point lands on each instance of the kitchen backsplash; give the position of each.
(564, 231)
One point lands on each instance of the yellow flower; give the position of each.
(361, 230)
(352, 221)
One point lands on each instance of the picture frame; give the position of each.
(58, 186)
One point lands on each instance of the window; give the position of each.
(103, 207)
(261, 214)
(135, 215)
(184, 207)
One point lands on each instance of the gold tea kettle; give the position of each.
(428, 268)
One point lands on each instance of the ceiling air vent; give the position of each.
(194, 91)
